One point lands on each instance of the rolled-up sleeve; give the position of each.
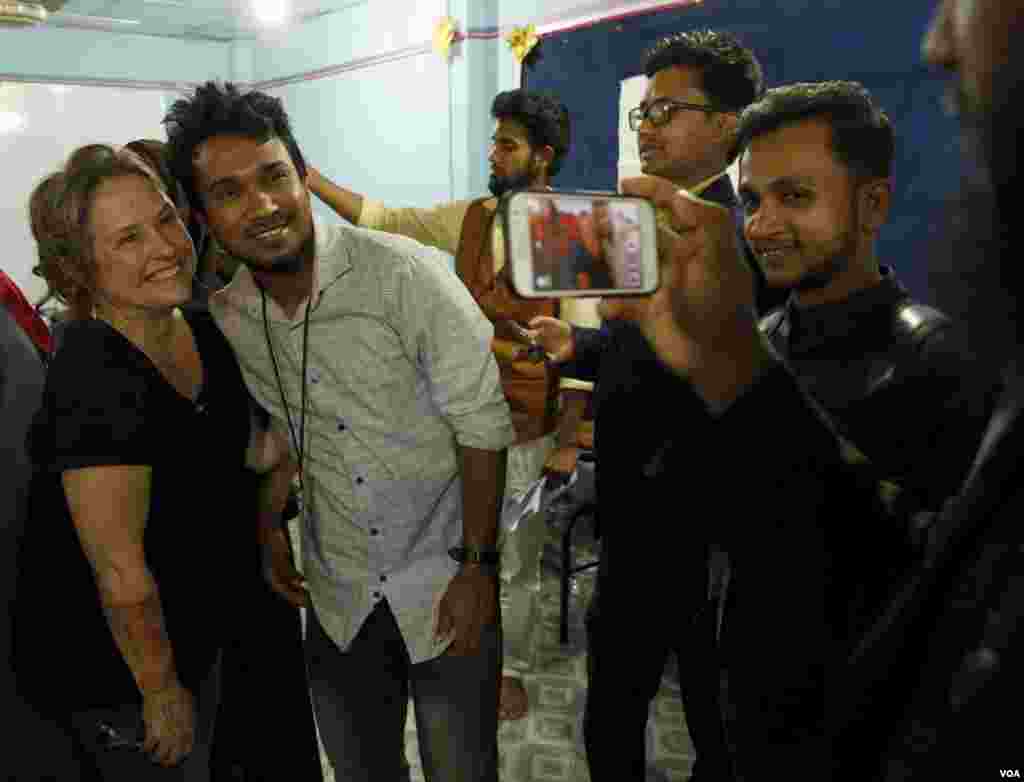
(439, 226)
(451, 339)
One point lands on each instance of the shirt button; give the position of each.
(341, 426)
(383, 579)
(374, 531)
(376, 595)
(360, 480)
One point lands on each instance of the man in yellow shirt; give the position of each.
(530, 141)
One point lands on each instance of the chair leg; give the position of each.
(566, 577)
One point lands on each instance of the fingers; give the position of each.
(290, 585)
(172, 750)
(545, 323)
(444, 622)
(169, 724)
(279, 570)
(466, 641)
(687, 210)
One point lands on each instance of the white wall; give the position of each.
(50, 80)
(53, 121)
(391, 142)
(63, 53)
(390, 119)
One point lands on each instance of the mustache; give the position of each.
(267, 224)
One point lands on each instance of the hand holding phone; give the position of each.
(578, 243)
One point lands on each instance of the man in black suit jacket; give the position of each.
(927, 689)
(698, 83)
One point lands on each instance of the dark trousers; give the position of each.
(361, 698)
(773, 694)
(626, 655)
(265, 727)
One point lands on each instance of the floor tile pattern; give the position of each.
(547, 745)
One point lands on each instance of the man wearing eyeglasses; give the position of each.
(698, 83)
(686, 122)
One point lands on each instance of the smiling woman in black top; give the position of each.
(121, 586)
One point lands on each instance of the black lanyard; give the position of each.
(300, 440)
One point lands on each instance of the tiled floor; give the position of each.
(547, 746)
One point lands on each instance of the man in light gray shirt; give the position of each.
(377, 361)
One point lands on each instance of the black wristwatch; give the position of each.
(475, 555)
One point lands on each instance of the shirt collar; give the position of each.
(700, 188)
(855, 318)
(331, 260)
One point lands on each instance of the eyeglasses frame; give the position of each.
(675, 104)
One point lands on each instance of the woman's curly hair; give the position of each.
(59, 212)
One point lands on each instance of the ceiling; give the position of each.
(219, 20)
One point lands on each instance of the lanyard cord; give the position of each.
(300, 441)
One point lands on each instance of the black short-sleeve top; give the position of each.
(105, 403)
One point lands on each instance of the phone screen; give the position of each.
(580, 243)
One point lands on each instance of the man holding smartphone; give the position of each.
(698, 83)
(908, 401)
(815, 182)
(924, 692)
(530, 142)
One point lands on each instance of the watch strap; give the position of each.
(475, 555)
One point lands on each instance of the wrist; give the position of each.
(726, 375)
(471, 554)
(266, 532)
(478, 569)
(155, 685)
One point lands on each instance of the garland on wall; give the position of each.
(524, 42)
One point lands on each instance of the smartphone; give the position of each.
(579, 243)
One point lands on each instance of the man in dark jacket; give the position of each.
(698, 83)
(925, 690)
(894, 375)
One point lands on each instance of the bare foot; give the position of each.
(513, 702)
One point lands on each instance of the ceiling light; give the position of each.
(18, 13)
(269, 12)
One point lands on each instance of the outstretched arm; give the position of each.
(438, 227)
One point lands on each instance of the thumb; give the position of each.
(541, 321)
(444, 621)
(657, 190)
(687, 210)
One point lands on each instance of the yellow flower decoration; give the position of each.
(444, 36)
(522, 40)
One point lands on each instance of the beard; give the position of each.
(289, 264)
(836, 259)
(292, 263)
(499, 185)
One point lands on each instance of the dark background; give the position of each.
(874, 42)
